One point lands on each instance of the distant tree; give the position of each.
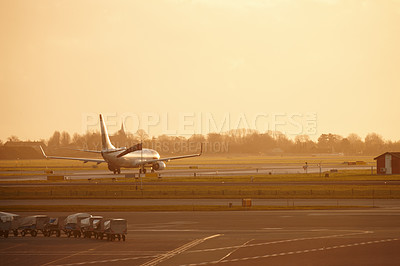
(93, 140)
(345, 146)
(329, 142)
(78, 141)
(356, 143)
(283, 142)
(393, 145)
(65, 139)
(374, 144)
(303, 144)
(13, 138)
(141, 134)
(54, 141)
(197, 138)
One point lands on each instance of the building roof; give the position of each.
(24, 143)
(395, 154)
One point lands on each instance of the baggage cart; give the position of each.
(33, 224)
(72, 224)
(8, 223)
(115, 229)
(54, 226)
(90, 225)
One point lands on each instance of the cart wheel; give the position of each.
(15, 232)
(123, 238)
(58, 233)
(23, 233)
(33, 233)
(112, 237)
(119, 237)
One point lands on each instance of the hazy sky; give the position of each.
(62, 61)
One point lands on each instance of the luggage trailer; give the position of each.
(33, 224)
(114, 229)
(72, 224)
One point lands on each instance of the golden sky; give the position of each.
(60, 60)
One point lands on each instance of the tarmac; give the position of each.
(238, 170)
(334, 237)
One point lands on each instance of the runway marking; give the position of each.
(157, 259)
(105, 261)
(163, 230)
(230, 253)
(17, 245)
(295, 252)
(77, 253)
(177, 251)
(283, 241)
(99, 253)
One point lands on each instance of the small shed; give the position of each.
(388, 163)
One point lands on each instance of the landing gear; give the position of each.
(114, 169)
(142, 170)
(117, 171)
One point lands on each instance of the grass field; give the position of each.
(91, 208)
(202, 192)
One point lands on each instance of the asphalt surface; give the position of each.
(216, 183)
(381, 203)
(225, 171)
(351, 237)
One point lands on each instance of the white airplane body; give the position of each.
(133, 157)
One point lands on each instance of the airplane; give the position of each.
(132, 157)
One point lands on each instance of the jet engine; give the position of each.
(159, 166)
(111, 167)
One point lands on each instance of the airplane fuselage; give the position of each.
(132, 160)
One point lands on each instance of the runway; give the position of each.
(238, 170)
(381, 203)
(352, 237)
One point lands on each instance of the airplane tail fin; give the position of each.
(105, 139)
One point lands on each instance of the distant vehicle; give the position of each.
(72, 224)
(54, 226)
(33, 224)
(9, 223)
(113, 229)
(133, 157)
(90, 225)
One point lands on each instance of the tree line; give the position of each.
(239, 141)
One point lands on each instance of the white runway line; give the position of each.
(230, 253)
(72, 255)
(285, 241)
(105, 261)
(296, 252)
(17, 245)
(177, 251)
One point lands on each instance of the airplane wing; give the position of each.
(93, 151)
(85, 160)
(174, 158)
